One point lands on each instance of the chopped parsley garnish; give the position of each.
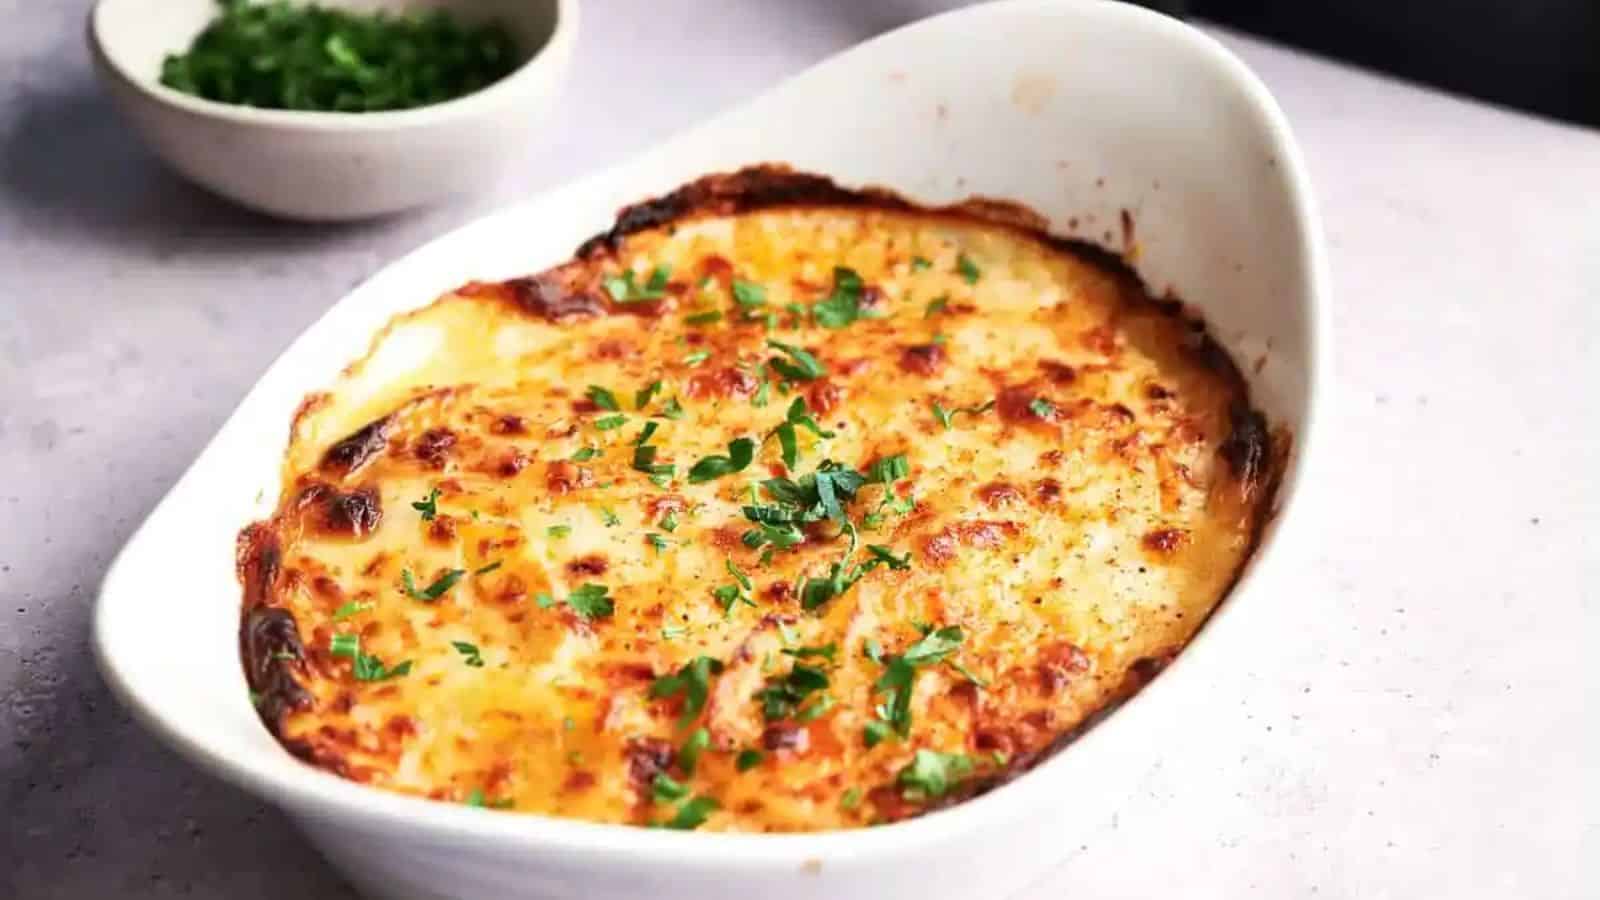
(433, 591)
(1041, 407)
(623, 288)
(609, 518)
(693, 681)
(693, 746)
(692, 814)
(749, 294)
(730, 595)
(429, 507)
(825, 651)
(660, 542)
(665, 789)
(590, 602)
(602, 398)
(850, 799)
(644, 460)
(608, 423)
(900, 673)
(947, 417)
(672, 632)
(747, 760)
(842, 307)
(642, 398)
(931, 774)
(558, 531)
(708, 317)
(888, 469)
(763, 394)
(350, 609)
(919, 263)
(696, 358)
(672, 409)
(669, 522)
(585, 454)
(801, 365)
(936, 306)
(473, 658)
(477, 798)
(785, 695)
(646, 433)
(740, 453)
(970, 273)
(788, 442)
(364, 666)
(814, 592)
(484, 570)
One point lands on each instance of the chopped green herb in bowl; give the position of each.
(280, 55)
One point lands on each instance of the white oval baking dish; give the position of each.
(1079, 110)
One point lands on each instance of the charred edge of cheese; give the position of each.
(270, 638)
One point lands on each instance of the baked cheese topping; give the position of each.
(792, 518)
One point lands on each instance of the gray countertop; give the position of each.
(1418, 720)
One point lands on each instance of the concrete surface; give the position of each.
(1420, 720)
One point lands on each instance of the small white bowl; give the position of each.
(327, 166)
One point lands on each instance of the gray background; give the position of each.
(1418, 720)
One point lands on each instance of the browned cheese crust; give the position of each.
(780, 507)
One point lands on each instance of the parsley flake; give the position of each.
(749, 294)
(693, 746)
(741, 451)
(350, 609)
(693, 680)
(946, 417)
(642, 398)
(783, 696)
(842, 307)
(931, 774)
(602, 398)
(665, 789)
(801, 365)
(609, 423)
(1041, 407)
(624, 289)
(590, 602)
(433, 591)
(692, 814)
(473, 658)
(364, 666)
(585, 454)
(970, 273)
(429, 507)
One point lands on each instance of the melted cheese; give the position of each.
(1076, 522)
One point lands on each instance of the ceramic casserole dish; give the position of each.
(1116, 125)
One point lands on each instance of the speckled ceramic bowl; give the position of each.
(1090, 113)
(329, 165)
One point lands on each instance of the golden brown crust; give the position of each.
(1111, 385)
